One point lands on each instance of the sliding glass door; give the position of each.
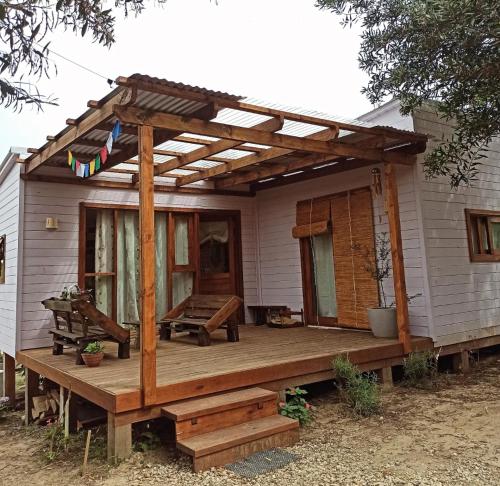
(195, 252)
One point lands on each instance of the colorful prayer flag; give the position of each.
(73, 164)
(70, 157)
(92, 167)
(117, 130)
(87, 170)
(97, 162)
(109, 143)
(104, 155)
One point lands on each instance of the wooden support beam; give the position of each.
(268, 154)
(84, 127)
(271, 125)
(147, 272)
(119, 440)
(398, 269)
(94, 104)
(31, 389)
(108, 184)
(9, 379)
(71, 121)
(51, 138)
(201, 127)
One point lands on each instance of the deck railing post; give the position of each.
(147, 269)
(398, 269)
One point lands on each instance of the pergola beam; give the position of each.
(231, 132)
(249, 160)
(205, 152)
(85, 126)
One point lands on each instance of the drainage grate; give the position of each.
(262, 462)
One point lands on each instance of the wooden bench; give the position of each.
(78, 322)
(201, 315)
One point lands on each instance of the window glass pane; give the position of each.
(161, 264)
(127, 255)
(181, 240)
(324, 276)
(483, 228)
(182, 286)
(214, 246)
(101, 288)
(99, 240)
(495, 234)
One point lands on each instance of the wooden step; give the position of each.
(217, 403)
(200, 416)
(230, 444)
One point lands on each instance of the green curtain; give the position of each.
(324, 275)
(104, 260)
(181, 236)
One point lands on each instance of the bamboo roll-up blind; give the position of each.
(313, 229)
(353, 241)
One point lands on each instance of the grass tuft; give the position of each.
(420, 368)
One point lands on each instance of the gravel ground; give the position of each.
(448, 435)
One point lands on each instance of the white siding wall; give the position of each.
(51, 257)
(465, 296)
(279, 269)
(10, 194)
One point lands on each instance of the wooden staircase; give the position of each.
(224, 428)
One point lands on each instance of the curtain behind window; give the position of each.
(104, 261)
(324, 275)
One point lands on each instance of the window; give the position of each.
(3, 257)
(483, 232)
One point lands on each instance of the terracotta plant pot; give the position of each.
(92, 359)
(383, 322)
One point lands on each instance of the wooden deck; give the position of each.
(273, 358)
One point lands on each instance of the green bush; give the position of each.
(420, 367)
(296, 406)
(359, 390)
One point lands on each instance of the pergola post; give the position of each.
(398, 269)
(147, 270)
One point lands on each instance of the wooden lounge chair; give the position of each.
(203, 314)
(78, 322)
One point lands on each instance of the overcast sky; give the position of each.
(285, 51)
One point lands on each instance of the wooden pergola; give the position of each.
(237, 147)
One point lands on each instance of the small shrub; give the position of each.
(94, 347)
(420, 367)
(4, 406)
(56, 443)
(297, 407)
(359, 390)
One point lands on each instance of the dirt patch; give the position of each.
(445, 435)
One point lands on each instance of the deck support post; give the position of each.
(398, 269)
(9, 379)
(31, 389)
(385, 377)
(147, 273)
(461, 362)
(119, 440)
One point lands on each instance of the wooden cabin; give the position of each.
(209, 193)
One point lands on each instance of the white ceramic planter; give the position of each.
(383, 322)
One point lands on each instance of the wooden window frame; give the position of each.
(471, 220)
(3, 258)
(195, 213)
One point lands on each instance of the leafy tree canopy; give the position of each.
(24, 51)
(446, 51)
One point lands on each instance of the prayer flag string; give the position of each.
(87, 169)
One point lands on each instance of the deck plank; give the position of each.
(184, 369)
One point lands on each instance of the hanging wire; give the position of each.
(81, 66)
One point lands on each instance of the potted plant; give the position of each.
(93, 354)
(382, 319)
